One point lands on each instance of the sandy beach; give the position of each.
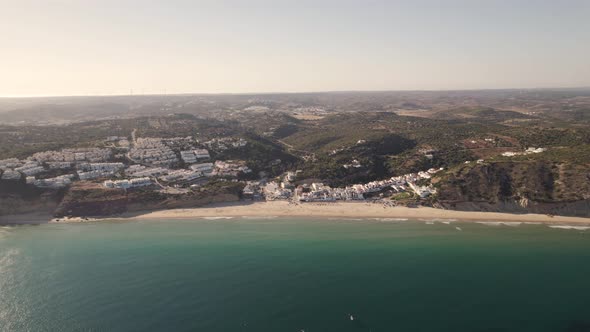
(350, 210)
(347, 210)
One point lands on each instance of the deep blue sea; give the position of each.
(293, 275)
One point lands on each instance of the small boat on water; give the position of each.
(351, 317)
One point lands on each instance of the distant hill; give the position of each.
(538, 102)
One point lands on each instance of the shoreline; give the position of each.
(345, 210)
(33, 218)
(285, 209)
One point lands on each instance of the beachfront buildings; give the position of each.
(273, 191)
(252, 190)
(128, 184)
(52, 183)
(90, 171)
(318, 191)
(30, 168)
(140, 171)
(181, 175)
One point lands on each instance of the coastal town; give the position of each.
(182, 164)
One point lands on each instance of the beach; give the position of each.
(353, 210)
(345, 210)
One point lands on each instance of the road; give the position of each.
(132, 144)
(133, 137)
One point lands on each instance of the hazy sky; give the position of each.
(82, 47)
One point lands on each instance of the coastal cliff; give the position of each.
(540, 187)
(89, 199)
(517, 187)
(18, 198)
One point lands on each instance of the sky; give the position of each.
(103, 47)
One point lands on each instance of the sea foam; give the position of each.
(578, 228)
(440, 220)
(7, 258)
(500, 223)
(390, 219)
(260, 217)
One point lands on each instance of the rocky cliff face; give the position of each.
(88, 199)
(92, 199)
(518, 187)
(16, 198)
(16, 204)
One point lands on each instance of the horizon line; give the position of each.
(286, 92)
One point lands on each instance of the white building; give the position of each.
(59, 164)
(421, 191)
(10, 163)
(30, 168)
(11, 175)
(535, 150)
(203, 167)
(90, 175)
(181, 175)
(290, 177)
(317, 186)
(72, 155)
(105, 167)
(202, 154)
(54, 183)
(188, 157)
(138, 171)
(153, 151)
(128, 184)
(273, 191)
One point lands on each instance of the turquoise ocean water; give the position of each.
(293, 275)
